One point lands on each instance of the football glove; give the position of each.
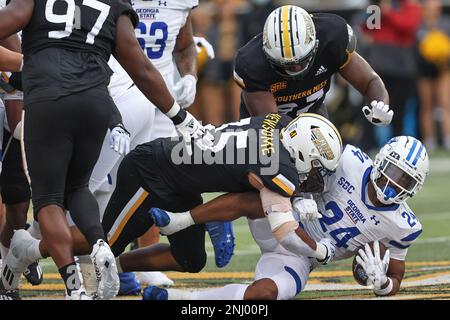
(185, 90)
(378, 113)
(331, 251)
(306, 209)
(119, 139)
(202, 42)
(190, 129)
(373, 265)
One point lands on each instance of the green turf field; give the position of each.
(428, 262)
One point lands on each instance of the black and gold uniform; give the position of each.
(293, 96)
(161, 174)
(68, 109)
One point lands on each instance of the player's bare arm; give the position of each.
(395, 272)
(364, 79)
(10, 60)
(15, 16)
(185, 54)
(147, 78)
(259, 102)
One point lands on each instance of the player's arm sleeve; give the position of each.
(399, 243)
(284, 182)
(346, 45)
(124, 7)
(245, 77)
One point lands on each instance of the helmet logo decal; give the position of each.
(293, 133)
(321, 144)
(310, 30)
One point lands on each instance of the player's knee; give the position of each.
(192, 262)
(263, 289)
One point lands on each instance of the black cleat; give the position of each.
(34, 274)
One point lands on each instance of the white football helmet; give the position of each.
(289, 41)
(315, 145)
(399, 169)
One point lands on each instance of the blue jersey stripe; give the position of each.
(418, 155)
(411, 151)
(398, 245)
(298, 282)
(412, 236)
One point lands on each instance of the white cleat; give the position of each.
(17, 260)
(106, 271)
(154, 278)
(79, 294)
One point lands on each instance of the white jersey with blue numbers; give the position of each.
(159, 24)
(350, 219)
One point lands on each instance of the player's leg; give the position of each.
(277, 277)
(47, 151)
(79, 200)
(226, 207)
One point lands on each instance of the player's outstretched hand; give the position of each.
(306, 209)
(378, 113)
(119, 139)
(373, 265)
(185, 90)
(190, 129)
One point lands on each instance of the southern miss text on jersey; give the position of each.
(221, 168)
(67, 44)
(253, 72)
(351, 220)
(159, 24)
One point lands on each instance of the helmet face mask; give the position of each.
(315, 146)
(294, 70)
(399, 170)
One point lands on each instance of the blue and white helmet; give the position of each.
(399, 169)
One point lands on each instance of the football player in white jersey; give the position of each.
(363, 201)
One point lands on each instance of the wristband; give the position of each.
(385, 291)
(176, 113)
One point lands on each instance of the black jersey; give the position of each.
(67, 45)
(253, 71)
(251, 145)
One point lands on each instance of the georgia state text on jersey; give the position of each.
(157, 32)
(159, 24)
(243, 147)
(67, 45)
(253, 72)
(351, 220)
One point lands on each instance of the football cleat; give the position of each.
(222, 238)
(105, 270)
(154, 278)
(8, 294)
(17, 261)
(155, 293)
(34, 274)
(129, 285)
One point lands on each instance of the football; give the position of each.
(358, 272)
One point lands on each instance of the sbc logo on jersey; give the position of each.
(278, 86)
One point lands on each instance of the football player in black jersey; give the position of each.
(66, 46)
(265, 154)
(288, 67)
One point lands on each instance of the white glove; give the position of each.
(119, 139)
(306, 209)
(202, 42)
(185, 90)
(331, 250)
(190, 129)
(372, 264)
(378, 113)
